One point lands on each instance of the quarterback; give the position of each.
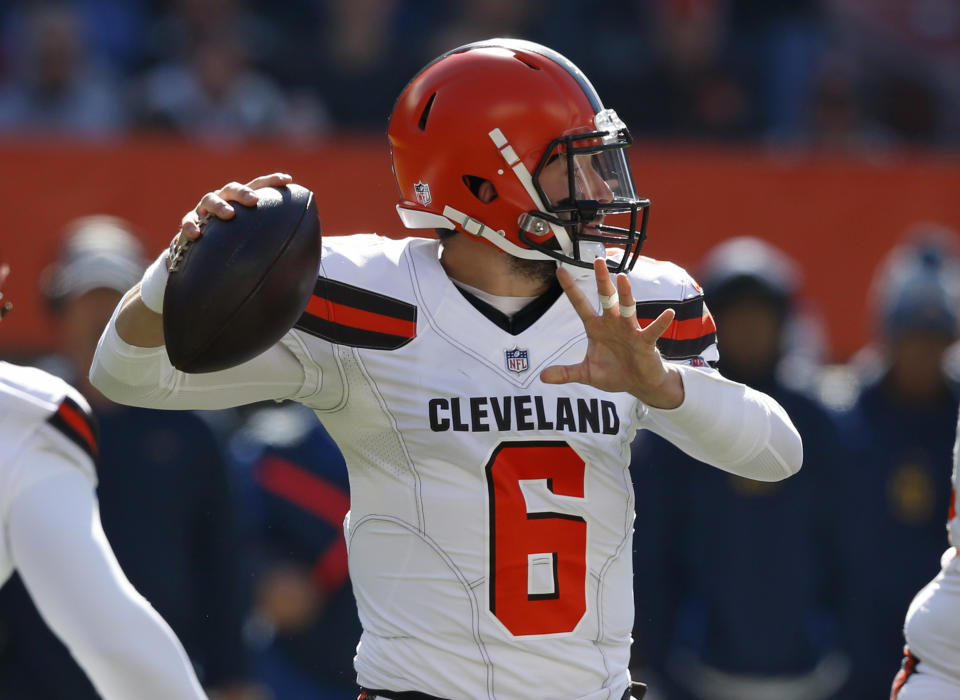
(931, 657)
(485, 387)
(50, 533)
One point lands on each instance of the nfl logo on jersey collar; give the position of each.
(517, 360)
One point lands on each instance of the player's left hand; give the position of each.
(621, 356)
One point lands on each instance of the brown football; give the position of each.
(244, 283)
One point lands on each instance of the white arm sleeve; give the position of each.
(730, 426)
(144, 376)
(58, 546)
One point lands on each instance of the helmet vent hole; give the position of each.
(481, 188)
(526, 63)
(426, 113)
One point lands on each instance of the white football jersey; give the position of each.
(39, 414)
(932, 628)
(491, 514)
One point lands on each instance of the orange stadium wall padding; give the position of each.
(837, 216)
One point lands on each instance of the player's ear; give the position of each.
(482, 188)
(487, 192)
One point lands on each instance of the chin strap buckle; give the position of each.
(469, 224)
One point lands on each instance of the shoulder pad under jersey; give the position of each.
(31, 400)
(659, 285)
(363, 296)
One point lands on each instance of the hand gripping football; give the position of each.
(242, 285)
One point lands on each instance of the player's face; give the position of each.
(588, 182)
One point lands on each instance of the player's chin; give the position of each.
(542, 271)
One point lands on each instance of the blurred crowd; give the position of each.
(835, 73)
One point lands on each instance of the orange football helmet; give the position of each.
(503, 111)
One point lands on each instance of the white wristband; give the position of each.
(153, 284)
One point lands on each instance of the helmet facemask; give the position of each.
(592, 171)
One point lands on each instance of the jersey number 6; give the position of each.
(521, 541)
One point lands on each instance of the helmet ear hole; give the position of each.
(481, 188)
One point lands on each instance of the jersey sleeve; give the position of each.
(43, 421)
(729, 426)
(76, 423)
(139, 376)
(58, 546)
(345, 310)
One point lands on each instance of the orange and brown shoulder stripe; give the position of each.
(349, 315)
(77, 424)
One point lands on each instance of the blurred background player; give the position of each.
(735, 578)
(901, 427)
(304, 625)
(165, 499)
(50, 534)
(931, 663)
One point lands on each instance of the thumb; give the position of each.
(658, 326)
(562, 374)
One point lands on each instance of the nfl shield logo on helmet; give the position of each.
(517, 360)
(422, 191)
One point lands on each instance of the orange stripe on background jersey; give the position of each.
(952, 510)
(689, 329)
(907, 669)
(312, 493)
(79, 423)
(358, 318)
(331, 569)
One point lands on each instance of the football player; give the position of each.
(485, 388)
(901, 428)
(931, 657)
(50, 533)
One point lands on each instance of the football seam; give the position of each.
(227, 321)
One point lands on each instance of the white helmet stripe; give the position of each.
(520, 170)
(478, 228)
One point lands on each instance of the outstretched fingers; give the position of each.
(578, 299)
(627, 306)
(658, 326)
(562, 374)
(606, 290)
(620, 354)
